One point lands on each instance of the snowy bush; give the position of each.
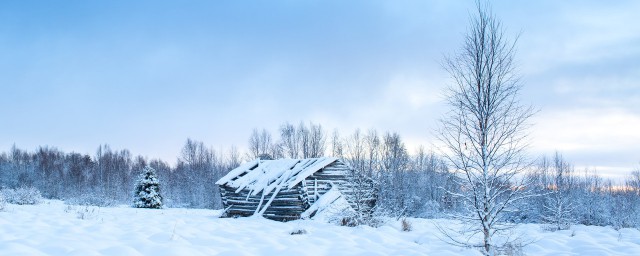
(406, 225)
(83, 212)
(23, 195)
(514, 248)
(87, 212)
(8, 194)
(348, 221)
(353, 220)
(147, 190)
(3, 202)
(298, 231)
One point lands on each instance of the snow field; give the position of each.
(53, 228)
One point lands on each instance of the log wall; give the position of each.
(289, 204)
(339, 174)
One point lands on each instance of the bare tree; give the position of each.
(261, 145)
(233, 158)
(303, 141)
(304, 138)
(393, 174)
(558, 207)
(289, 141)
(394, 156)
(372, 144)
(336, 145)
(633, 182)
(195, 168)
(484, 135)
(354, 151)
(317, 140)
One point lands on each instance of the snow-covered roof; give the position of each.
(268, 175)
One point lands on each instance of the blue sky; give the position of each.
(148, 75)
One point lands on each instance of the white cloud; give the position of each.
(586, 129)
(596, 139)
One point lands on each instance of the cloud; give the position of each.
(579, 34)
(603, 139)
(591, 129)
(134, 74)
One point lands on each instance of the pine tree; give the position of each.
(147, 190)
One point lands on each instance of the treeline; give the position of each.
(568, 196)
(415, 184)
(409, 184)
(108, 177)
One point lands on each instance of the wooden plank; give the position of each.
(246, 191)
(242, 193)
(269, 210)
(332, 177)
(254, 206)
(299, 195)
(279, 207)
(241, 198)
(279, 203)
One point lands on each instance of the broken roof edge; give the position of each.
(246, 167)
(318, 165)
(306, 166)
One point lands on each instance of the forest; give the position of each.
(410, 184)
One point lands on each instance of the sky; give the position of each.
(147, 75)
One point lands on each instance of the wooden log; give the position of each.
(283, 203)
(268, 211)
(334, 171)
(254, 206)
(330, 178)
(246, 193)
(280, 207)
(257, 199)
(276, 199)
(296, 197)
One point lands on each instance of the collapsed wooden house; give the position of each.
(288, 189)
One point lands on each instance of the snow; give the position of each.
(329, 205)
(238, 171)
(53, 228)
(312, 168)
(269, 175)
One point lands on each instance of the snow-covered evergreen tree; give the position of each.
(147, 190)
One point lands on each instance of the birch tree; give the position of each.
(484, 134)
(558, 208)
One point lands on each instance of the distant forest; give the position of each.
(410, 184)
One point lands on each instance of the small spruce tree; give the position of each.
(147, 190)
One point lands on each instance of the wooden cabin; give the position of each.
(289, 189)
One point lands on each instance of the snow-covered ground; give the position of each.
(53, 228)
